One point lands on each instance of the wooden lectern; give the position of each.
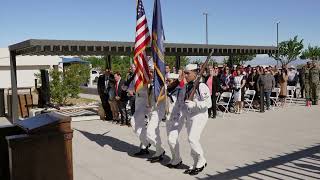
(38, 148)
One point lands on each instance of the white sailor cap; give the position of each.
(191, 67)
(173, 76)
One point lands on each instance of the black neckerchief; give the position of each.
(188, 89)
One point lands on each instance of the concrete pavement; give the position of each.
(280, 144)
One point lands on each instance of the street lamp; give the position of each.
(206, 15)
(278, 22)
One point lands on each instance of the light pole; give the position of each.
(278, 22)
(206, 15)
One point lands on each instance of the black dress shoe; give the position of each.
(142, 152)
(149, 145)
(157, 158)
(174, 166)
(187, 171)
(196, 171)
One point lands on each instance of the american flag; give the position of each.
(141, 42)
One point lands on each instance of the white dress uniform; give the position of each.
(138, 122)
(196, 120)
(175, 122)
(155, 115)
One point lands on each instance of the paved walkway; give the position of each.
(280, 144)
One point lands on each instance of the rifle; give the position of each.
(197, 81)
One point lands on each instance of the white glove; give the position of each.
(190, 104)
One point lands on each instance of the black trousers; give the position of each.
(213, 110)
(302, 90)
(132, 104)
(123, 111)
(106, 106)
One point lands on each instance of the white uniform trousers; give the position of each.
(174, 127)
(195, 125)
(138, 121)
(153, 129)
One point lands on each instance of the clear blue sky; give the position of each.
(247, 22)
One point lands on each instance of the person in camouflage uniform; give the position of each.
(306, 81)
(314, 82)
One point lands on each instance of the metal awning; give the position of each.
(108, 48)
(97, 48)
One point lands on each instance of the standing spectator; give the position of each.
(301, 83)
(113, 102)
(276, 74)
(225, 80)
(130, 84)
(292, 76)
(314, 82)
(306, 82)
(121, 98)
(167, 70)
(103, 87)
(174, 70)
(252, 82)
(213, 84)
(283, 81)
(268, 83)
(239, 84)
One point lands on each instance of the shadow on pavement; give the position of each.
(296, 170)
(121, 146)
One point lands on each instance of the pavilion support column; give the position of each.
(178, 63)
(108, 61)
(230, 61)
(14, 96)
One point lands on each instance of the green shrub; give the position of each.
(64, 85)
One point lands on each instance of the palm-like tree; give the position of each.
(289, 51)
(312, 53)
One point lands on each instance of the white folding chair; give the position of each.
(275, 99)
(248, 99)
(290, 93)
(298, 93)
(224, 101)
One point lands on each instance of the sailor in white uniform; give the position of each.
(138, 120)
(197, 116)
(155, 114)
(175, 118)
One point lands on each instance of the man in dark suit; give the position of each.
(122, 98)
(104, 82)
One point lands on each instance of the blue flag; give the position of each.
(158, 53)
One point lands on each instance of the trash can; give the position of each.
(37, 148)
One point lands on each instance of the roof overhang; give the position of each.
(101, 48)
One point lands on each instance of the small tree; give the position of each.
(96, 62)
(171, 61)
(64, 85)
(289, 51)
(240, 59)
(312, 53)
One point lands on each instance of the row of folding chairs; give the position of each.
(291, 90)
(224, 100)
